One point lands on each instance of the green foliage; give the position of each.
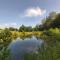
(38, 28)
(56, 22)
(51, 35)
(45, 53)
(14, 35)
(5, 39)
(52, 21)
(50, 49)
(25, 28)
(13, 29)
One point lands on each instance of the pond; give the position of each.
(19, 47)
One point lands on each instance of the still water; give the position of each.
(19, 47)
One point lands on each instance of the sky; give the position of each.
(14, 13)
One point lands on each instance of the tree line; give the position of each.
(51, 21)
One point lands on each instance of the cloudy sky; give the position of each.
(28, 12)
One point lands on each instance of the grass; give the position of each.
(45, 53)
(50, 50)
(25, 34)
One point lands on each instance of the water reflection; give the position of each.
(19, 47)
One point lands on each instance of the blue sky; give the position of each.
(28, 12)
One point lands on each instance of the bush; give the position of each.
(5, 39)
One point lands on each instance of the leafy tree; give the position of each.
(25, 28)
(56, 22)
(22, 28)
(13, 29)
(51, 21)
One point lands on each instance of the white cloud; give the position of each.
(7, 25)
(33, 12)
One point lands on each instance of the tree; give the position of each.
(52, 21)
(25, 28)
(13, 29)
(56, 22)
(22, 28)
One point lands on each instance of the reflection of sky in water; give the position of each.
(20, 47)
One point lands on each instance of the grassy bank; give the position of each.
(50, 50)
(25, 34)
